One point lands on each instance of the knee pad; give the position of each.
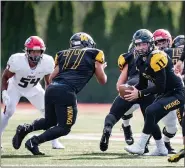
(169, 135)
(126, 117)
(110, 120)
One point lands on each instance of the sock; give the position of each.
(159, 143)
(166, 139)
(126, 123)
(143, 140)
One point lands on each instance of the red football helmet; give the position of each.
(34, 43)
(162, 38)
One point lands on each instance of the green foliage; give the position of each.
(28, 26)
(59, 27)
(181, 21)
(170, 22)
(17, 27)
(156, 18)
(94, 24)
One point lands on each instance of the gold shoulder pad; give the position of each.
(158, 61)
(100, 57)
(121, 62)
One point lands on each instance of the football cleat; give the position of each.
(169, 147)
(158, 152)
(135, 149)
(32, 146)
(128, 135)
(177, 156)
(105, 138)
(21, 132)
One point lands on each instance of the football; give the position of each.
(122, 89)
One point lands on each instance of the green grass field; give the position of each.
(82, 144)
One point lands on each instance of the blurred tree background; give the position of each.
(111, 24)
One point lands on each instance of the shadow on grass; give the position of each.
(101, 156)
(23, 156)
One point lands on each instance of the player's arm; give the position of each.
(5, 77)
(159, 87)
(100, 65)
(100, 73)
(46, 80)
(56, 69)
(123, 66)
(4, 85)
(123, 77)
(143, 82)
(54, 73)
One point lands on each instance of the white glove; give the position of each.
(5, 97)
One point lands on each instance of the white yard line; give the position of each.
(115, 137)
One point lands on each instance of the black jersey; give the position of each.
(77, 66)
(158, 68)
(128, 58)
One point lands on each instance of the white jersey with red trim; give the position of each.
(26, 79)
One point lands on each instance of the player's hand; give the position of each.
(104, 65)
(5, 97)
(179, 66)
(133, 94)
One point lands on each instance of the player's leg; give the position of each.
(154, 113)
(38, 102)
(118, 108)
(39, 124)
(64, 100)
(127, 129)
(170, 129)
(10, 108)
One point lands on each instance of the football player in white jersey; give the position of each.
(21, 79)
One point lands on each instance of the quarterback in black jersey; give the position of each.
(120, 107)
(74, 67)
(156, 66)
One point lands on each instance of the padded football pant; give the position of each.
(121, 106)
(60, 112)
(161, 107)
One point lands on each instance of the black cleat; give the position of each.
(177, 156)
(105, 138)
(21, 132)
(32, 146)
(128, 135)
(169, 147)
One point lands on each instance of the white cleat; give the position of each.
(135, 149)
(158, 152)
(57, 145)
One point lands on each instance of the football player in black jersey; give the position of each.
(120, 107)
(74, 68)
(178, 42)
(163, 41)
(156, 66)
